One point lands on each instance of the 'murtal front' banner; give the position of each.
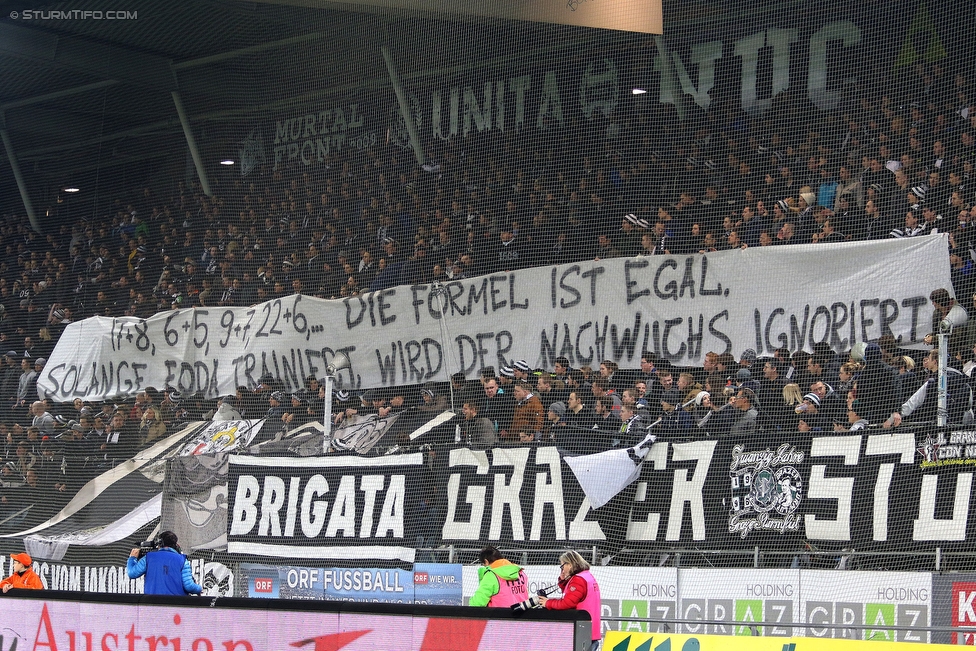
(339, 508)
(679, 307)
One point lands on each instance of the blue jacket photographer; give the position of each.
(166, 569)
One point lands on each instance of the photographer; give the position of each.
(580, 592)
(165, 568)
(500, 582)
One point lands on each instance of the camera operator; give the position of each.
(166, 569)
(580, 592)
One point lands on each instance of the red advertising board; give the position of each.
(58, 625)
(964, 612)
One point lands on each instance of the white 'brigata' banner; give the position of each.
(679, 307)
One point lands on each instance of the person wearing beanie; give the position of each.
(275, 408)
(809, 414)
(812, 400)
(166, 569)
(627, 239)
(506, 379)
(555, 425)
(748, 358)
(24, 577)
(298, 412)
(915, 197)
(521, 370)
(433, 401)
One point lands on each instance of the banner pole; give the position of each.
(327, 414)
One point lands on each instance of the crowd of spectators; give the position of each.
(590, 410)
(373, 219)
(365, 220)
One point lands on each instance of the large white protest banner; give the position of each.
(679, 307)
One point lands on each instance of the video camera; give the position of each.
(147, 546)
(165, 539)
(533, 602)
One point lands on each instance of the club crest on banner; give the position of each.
(955, 448)
(223, 436)
(766, 489)
(251, 151)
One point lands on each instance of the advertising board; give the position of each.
(658, 642)
(60, 622)
(427, 583)
(880, 606)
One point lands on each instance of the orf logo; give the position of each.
(263, 585)
(964, 611)
(421, 578)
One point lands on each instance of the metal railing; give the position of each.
(933, 560)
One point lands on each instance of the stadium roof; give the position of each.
(82, 94)
(86, 99)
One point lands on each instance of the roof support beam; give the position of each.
(21, 184)
(192, 143)
(260, 47)
(401, 95)
(58, 94)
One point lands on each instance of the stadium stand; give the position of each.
(883, 152)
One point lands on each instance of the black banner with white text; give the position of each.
(863, 490)
(888, 490)
(336, 507)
